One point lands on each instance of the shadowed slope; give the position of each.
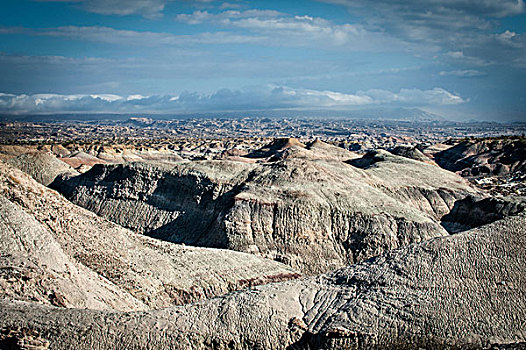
(315, 208)
(51, 247)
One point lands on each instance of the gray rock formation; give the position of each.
(493, 156)
(497, 165)
(315, 208)
(410, 152)
(474, 211)
(42, 167)
(461, 291)
(53, 252)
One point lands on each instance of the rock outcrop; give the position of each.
(497, 165)
(493, 156)
(316, 207)
(53, 252)
(474, 211)
(410, 152)
(461, 291)
(43, 167)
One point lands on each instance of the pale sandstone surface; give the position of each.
(42, 167)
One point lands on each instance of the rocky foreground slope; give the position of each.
(53, 252)
(462, 291)
(315, 207)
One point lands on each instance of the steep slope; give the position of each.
(496, 156)
(497, 165)
(411, 153)
(315, 208)
(35, 268)
(492, 156)
(42, 167)
(474, 211)
(461, 291)
(55, 252)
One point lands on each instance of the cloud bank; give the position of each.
(145, 8)
(272, 97)
(464, 27)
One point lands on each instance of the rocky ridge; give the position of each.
(315, 207)
(462, 291)
(53, 252)
(495, 164)
(474, 211)
(411, 153)
(43, 167)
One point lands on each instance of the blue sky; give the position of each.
(459, 58)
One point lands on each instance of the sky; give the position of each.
(462, 59)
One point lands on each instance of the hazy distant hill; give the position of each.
(402, 114)
(406, 114)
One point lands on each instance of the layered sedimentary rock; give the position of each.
(314, 207)
(411, 153)
(497, 165)
(461, 291)
(473, 157)
(474, 211)
(53, 252)
(43, 167)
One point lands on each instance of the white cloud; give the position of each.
(512, 39)
(198, 17)
(435, 96)
(429, 8)
(114, 36)
(230, 5)
(459, 56)
(145, 8)
(136, 97)
(267, 98)
(447, 25)
(465, 73)
(277, 29)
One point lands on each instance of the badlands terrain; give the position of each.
(263, 243)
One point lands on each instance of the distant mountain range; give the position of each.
(402, 114)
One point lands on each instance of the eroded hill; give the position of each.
(461, 291)
(496, 164)
(53, 252)
(315, 207)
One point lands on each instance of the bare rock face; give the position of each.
(81, 160)
(474, 211)
(314, 207)
(36, 268)
(42, 167)
(497, 165)
(461, 291)
(499, 156)
(411, 153)
(53, 252)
